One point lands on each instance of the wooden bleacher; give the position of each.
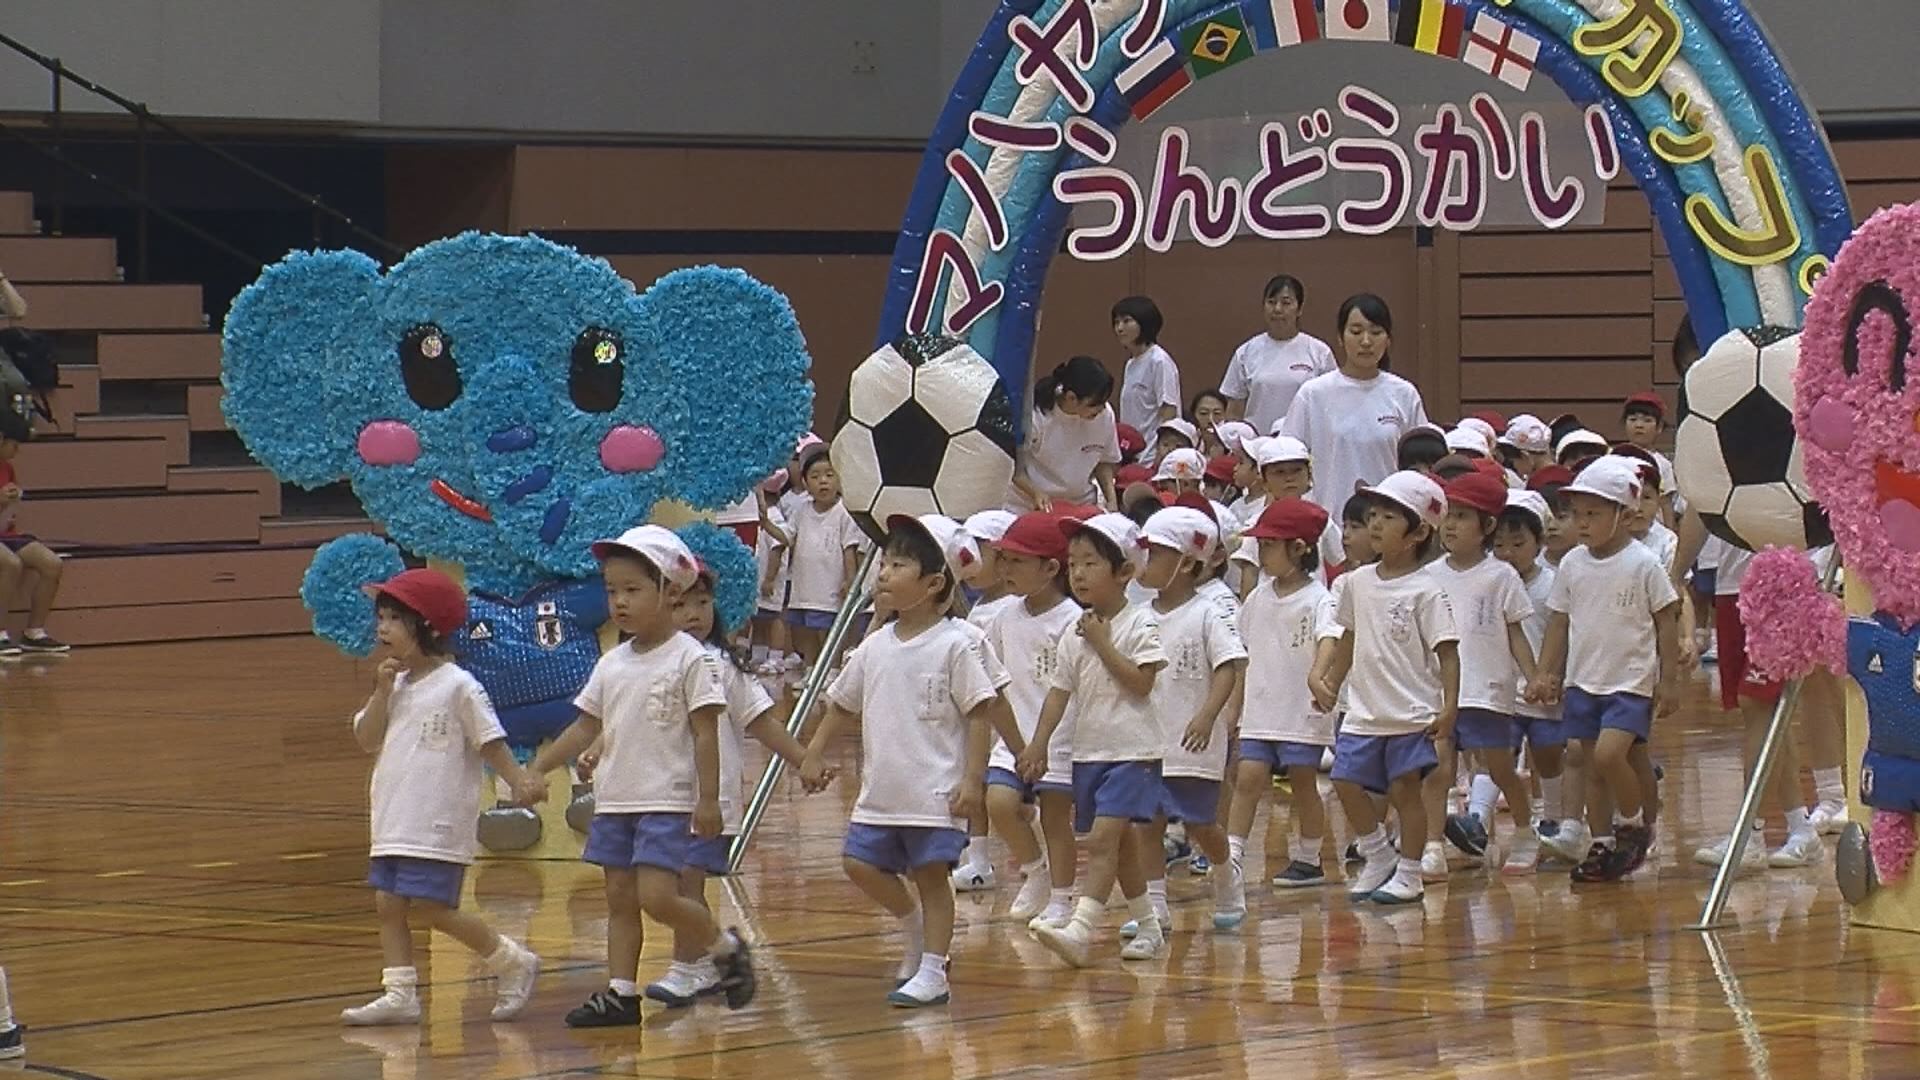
(170, 531)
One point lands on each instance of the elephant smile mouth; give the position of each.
(1890, 483)
(464, 504)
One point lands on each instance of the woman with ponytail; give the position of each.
(1073, 443)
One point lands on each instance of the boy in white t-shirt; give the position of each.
(925, 698)
(986, 586)
(1401, 651)
(1644, 417)
(1286, 472)
(431, 725)
(1108, 664)
(655, 701)
(823, 557)
(1518, 543)
(1281, 728)
(1612, 643)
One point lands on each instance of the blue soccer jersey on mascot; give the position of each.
(1882, 659)
(534, 654)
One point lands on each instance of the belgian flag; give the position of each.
(1432, 26)
(1216, 44)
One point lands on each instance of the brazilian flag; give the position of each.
(1216, 44)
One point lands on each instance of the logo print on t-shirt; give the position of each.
(933, 694)
(548, 631)
(1302, 632)
(1188, 662)
(1628, 598)
(436, 732)
(1484, 614)
(1046, 660)
(1399, 622)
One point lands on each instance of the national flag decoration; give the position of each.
(1295, 22)
(1216, 44)
(1357, 20)
(1431, 26)
(1154, 79)
(1501, 51)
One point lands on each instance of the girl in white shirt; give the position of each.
(1271, 367)
(431, 726)
(1073, 442)
(823, 555)
(1150, 388)
(1352, 418)
(1518, 543)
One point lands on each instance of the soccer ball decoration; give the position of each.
(1736, 455)
(928, 428)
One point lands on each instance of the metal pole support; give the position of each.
(809, 694)
(1756, 786)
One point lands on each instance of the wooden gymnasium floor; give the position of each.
(182, 844)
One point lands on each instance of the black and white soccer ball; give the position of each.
(928, 428)
(1736, 456)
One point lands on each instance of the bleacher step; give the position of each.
(68, 464)
(16, 214)
(193, 356)
(229, 478)
(157, 518)
(132, 623)
(175, 430)
(31, 259)
(313, 530)
(113, 306)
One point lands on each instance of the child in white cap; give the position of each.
(983, 578)
(1518, 542)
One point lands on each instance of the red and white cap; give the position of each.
(1118, 528)
(658, 545)
(1290, 519)
(1580, 437)
(1035, 535)
(1232, 433)
(1182, 428)
(1190, 532)
(1530, 433)
(1531, 502)
(430, 594)
(1417, 492)
(988, 526)
(1278, 450)
(1181, 464)
(956, 546)
(1613, 477)
(1477, 491)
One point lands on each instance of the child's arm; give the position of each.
(773, 735)
(775, 561)
(1522, 650)
(970, 798)
(1001, 720)
(850, 570)
(814, 775)
(1335, 659)
(1026, 489)
(1551, 671)
(706, 765)
(579, 735)
(1135, 679)
(528, 788)
(370, 727)
(1666, 637)
(1032, 764)
(1219, 691)
(1449, 654)
(775, 528)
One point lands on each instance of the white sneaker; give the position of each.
(1131, 928)
(1033, 896)
(1374, 873)
(1146, 944)
(1229, 897)
(515, 985)
(1055, 917)
(967, 879)
(392, 1007)
(1801, 849)
(1525, 855)
(1829, 818)
(1753, 857)
(677, 989)
(1072, 942)
(705, 977)
(1402, 887)
(920, 991)
(1570, 843)
(1433, 862)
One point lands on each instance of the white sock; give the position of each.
(624, 987)
(1036, 868)
(1829, 787)
(404, 981)
(1236, 849)
(504, 956)
(1307, 850)
(1633, 820)
(1408, 868)
(934, 967)
(36, 631)
(1797, 820)
(1373, 843)
(977, 861)
(1550, 798)
(1061, 898)
(6, 1003)
(1088, 910)
(1157, 891)
(1481, 798)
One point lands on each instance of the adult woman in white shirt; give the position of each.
(1073, 441)
(1270, 368)
(1352, 418)
(1150, 385)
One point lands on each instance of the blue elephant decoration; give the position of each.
(501, 402)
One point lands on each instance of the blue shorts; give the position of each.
(1583, 715)
(898, 849)
(1484, 729)
(1538, 731)
(1705, 580)
(417, 879)
(810, 620)
(709, 855)
(1277, 754)
(1117, 789)
(1007, 778)
(1190, 799)
(627, 841)
(1376, 761)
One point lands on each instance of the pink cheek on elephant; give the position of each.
(388, 442)
(1831, 424)
(1901, 521)
(631, 449)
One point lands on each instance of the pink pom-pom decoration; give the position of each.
(1891, 840)
(1792, 625)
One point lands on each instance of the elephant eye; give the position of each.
(426, 366)
(598, 372)
(1883, 298)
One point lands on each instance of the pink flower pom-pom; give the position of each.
(1891, 840)
(1792, 625)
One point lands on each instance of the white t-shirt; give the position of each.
(1282, 634)
(765, 546)
(1248, 508)
(1538, 590)
(1732, 569)
(1150, 383)
(425, 794)
(1199, 637)
(1610, 604)
(747, 701)
(1394, 687)
(1221, 593)
(986, 611)
(1353, 428)
(645, 700)
(1109, 723)
(1486, 599)
(1029, 645)
(1664, 543)
(816, 561)
(913, 697)
(1267, 374)
(1061, 453)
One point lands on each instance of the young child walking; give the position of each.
(1518, 543)
(1108, 664)
(656, 701)
(1281, 729)
(1612, 643)
(925, 699)
(1399, 655)
(986, 587)
(431, 726)
(823, 554)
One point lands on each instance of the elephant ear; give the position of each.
(331, 590)
(291, 359)
(736, 586)
(737, 366)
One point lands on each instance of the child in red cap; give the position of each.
(1644, 417)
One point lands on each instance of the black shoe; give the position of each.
(1467, 834)
(13, 1043)
(1594, 868)
(1634, 842)
(736, 973)
(606, 1009)
(43, 644)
